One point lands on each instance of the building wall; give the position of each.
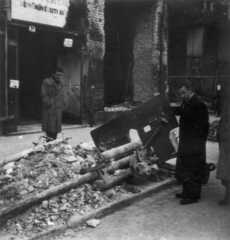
(96, 44)
(148, 47)
(133, 59)
(142, 70)
(87, 18)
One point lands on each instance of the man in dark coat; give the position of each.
(193, 132)
(53, 103)
(223, 166)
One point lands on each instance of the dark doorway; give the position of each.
(38, 56)
(118, 60)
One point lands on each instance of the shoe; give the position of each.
(223, 202)
(183, 195)
(180, 195)
(186, 201)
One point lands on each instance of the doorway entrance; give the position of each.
(32, 56)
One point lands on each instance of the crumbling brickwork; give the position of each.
(147, 48)
(96, 43)
(142, 71)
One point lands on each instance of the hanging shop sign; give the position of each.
(48, 12)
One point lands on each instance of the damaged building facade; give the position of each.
(151, 46)
(37, 35)
(136, 49)
(112, 51)
(199, 47)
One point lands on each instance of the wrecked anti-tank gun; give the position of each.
(156, 125)
(153, 122)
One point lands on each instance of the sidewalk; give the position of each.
(27, 134)
(10, 145)
(36, 128)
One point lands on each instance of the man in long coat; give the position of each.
(53, 103)
(223, 166)
(191, 156)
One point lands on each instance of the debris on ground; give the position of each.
(43, 170)
(93, 223)
(121, 107)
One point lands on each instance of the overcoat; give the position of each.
(53, 103)
(193, 132)
(223, 166)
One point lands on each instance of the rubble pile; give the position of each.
(44, 170)
(41, 171)
(212, 135)
(57, 210)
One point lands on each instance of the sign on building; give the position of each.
(48, 12)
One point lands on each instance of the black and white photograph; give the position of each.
(114, 119)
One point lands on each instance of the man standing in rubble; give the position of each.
(53, 103)
(193, 132)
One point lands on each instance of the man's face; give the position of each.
(57, 76)
(184, 93)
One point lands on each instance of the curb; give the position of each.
(104, 211)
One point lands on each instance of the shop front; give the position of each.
(35, 39)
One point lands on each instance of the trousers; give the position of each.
(192, 189)
(52, 135)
